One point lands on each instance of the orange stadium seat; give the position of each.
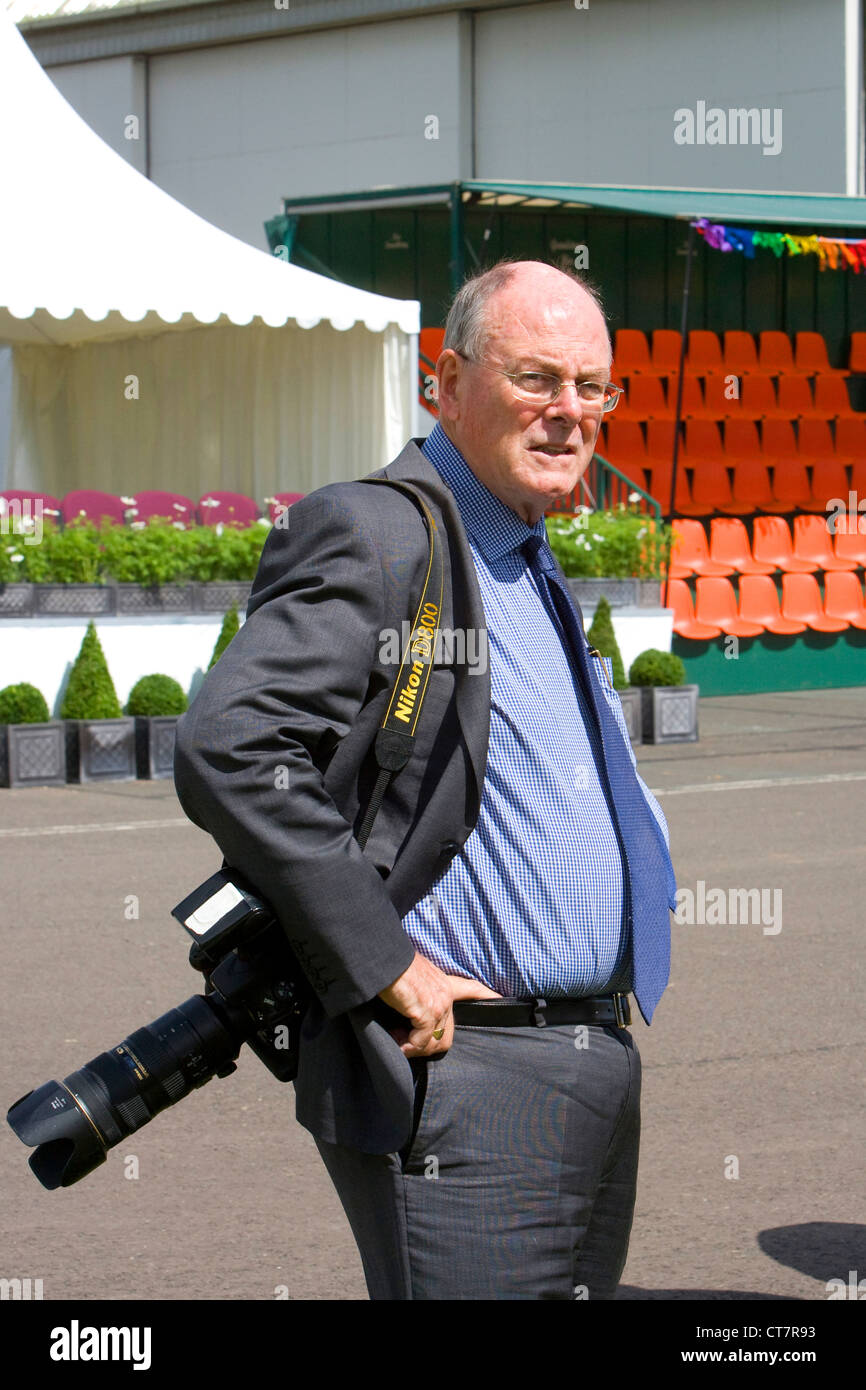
(690, 554)
(812, 542)
(801, 602)
(857, 356)
(810, 355)
(771, 545)
(832, 400)
(717, 606)
(740, 354)
(843, 599)
(631, 352)
(774, 353)
(795, 397)
(759, 603)
(667, 343)
(685, 622)
(851, 437)
(705, 352)
(729, 546)
(850, 538)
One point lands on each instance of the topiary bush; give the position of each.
(653, 667)
(90, 693)
(602, 636)
(23, 704)
(231, 624)
(156, 695)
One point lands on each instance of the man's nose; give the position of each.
(568, 402)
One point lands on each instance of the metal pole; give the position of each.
(457, 262)
(679, 410)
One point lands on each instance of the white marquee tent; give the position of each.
(151, 349)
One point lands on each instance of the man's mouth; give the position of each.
(553, 450)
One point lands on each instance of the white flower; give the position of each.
(130, 501)
(179, 525)
(587, 546)
(262, 521)
(634, 497)
(129, 511)
(51, 511)
(209, 502)
(219, 528)
(641, 532)
(597, 537)
(82, 512)
(178, 506)
(16, 558)
(137, 525)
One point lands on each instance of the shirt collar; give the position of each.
(493, 527)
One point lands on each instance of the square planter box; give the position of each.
(100, 750)
(619, 593)
(154, 744)
(218, 596)
(632, 708)
(32, 755)
(155, 598)
(75, 600)
(16, 600)
(670, 713)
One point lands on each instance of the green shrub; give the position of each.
(71, 556)
(156, 553)
(90, 693)
(23, 704)
(156, 695)
(620, 544)
(231, 624)
(653, 667)
(602, 636)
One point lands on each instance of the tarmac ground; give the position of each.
(751, 1178)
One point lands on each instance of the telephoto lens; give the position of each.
(255, 995)
(73, 1123)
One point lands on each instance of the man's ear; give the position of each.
(448, 370)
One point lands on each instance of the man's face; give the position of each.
(528, 455)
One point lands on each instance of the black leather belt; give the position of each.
(538, 1013)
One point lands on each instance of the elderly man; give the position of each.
(465, 1062)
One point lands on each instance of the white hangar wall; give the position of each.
(533, 91)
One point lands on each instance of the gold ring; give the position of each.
(438, 1033)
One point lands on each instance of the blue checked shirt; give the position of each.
(533, 904)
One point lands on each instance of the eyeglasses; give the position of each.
(539, 388)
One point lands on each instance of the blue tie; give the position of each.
(649, 886)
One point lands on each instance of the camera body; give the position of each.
(255, 993)
(247, 963)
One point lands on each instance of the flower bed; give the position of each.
(620, 544)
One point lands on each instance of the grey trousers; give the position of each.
(518, 1181)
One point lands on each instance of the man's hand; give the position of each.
(424, 995)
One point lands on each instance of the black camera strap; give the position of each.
(396, 737)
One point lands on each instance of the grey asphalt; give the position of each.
(753, 1065)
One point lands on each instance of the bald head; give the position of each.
(518, 285)
(519, 318)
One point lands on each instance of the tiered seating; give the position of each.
(778, 431)
(736, 583)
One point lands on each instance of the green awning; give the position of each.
(730, 206)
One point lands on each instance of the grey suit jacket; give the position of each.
(274, 759)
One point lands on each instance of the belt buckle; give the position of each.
(621, 1009)
(536, 1013)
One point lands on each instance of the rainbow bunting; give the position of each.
(834, 253)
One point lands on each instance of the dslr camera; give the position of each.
(255, 993)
